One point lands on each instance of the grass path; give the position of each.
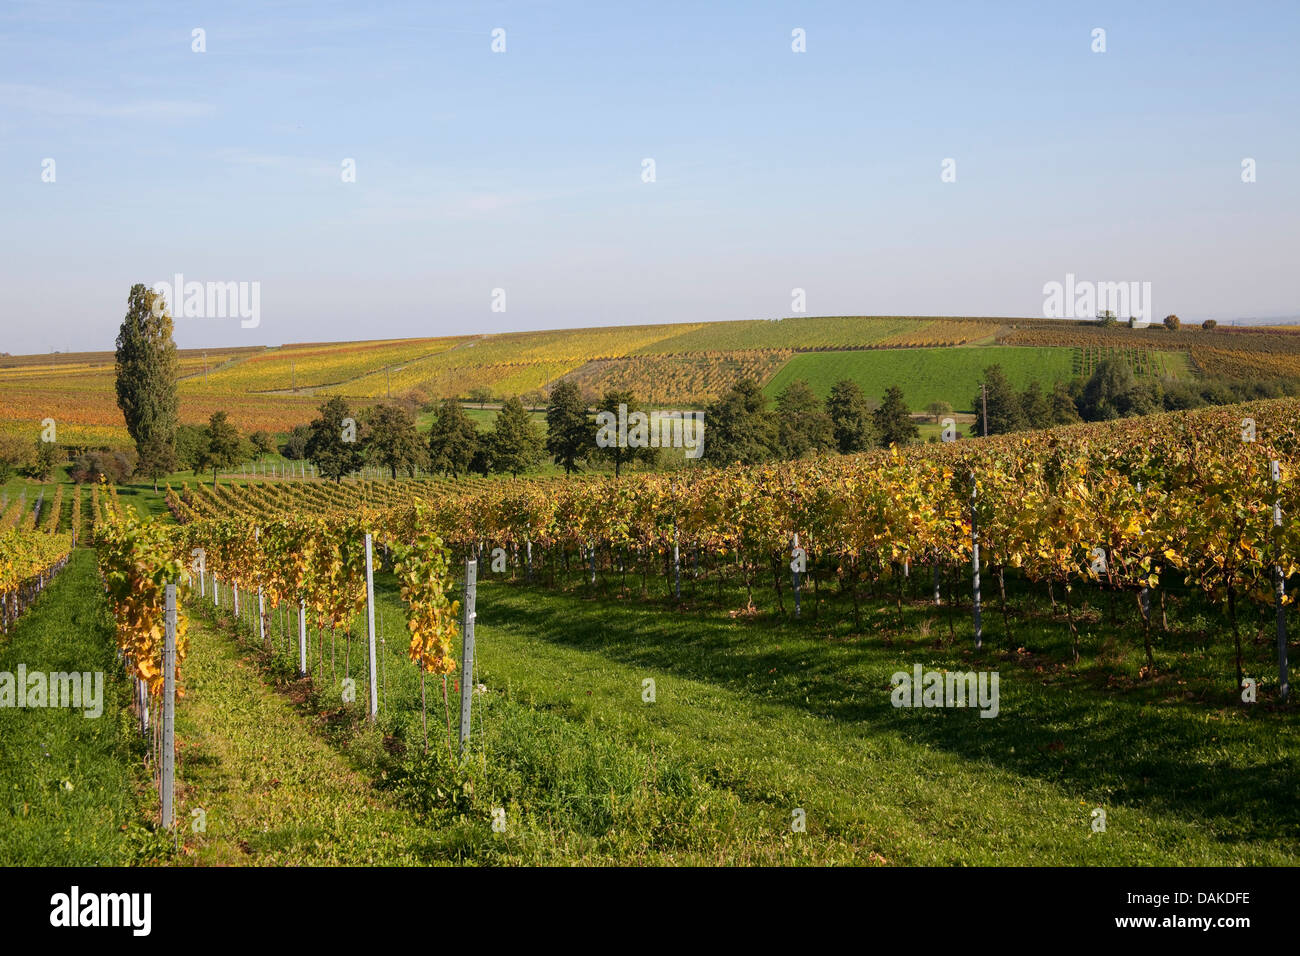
(72, 787)
(272, 790)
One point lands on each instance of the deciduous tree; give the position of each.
(1005, 410)
(803, 426)
(516, 442)
(223, 445)
(146, 372)
(333, 445)
(391, 439)
(937, 410)
(851, 419)
(740, 427)
(568, 427)
(894, 420)
(453, 440)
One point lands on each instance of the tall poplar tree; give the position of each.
(147, 369)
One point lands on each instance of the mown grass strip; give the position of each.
(73, 789)
(755, 719)
(269, 790)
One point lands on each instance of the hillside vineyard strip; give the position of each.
(256, 386)
(1131, 507)
(1241, 353)
(663, 364)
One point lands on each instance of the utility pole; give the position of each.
(205, 369)
(984, 401)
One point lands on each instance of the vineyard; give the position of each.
(91, 417)
(699, 360)
(799, 584)
(1230, 353)
(1145, 362)
(824, 332)
(32, 549)
(315, 366)
(1094, 516)
(1125, 509)
(693, 379)
(28, 562)
(508, 363)
(275, 389)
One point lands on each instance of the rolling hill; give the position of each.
(931, 358)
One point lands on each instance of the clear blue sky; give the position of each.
(522, 170)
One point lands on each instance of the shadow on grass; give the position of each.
(1143, 745)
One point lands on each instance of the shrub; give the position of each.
(113, 466)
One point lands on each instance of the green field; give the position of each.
(926, 375)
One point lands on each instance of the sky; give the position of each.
(524, 170)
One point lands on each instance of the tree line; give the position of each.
(742, 426)
(1112, 391)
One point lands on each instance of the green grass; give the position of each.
(777, 715)
(73, 791)
(755, 718)
(271, 791)
(926, 375)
